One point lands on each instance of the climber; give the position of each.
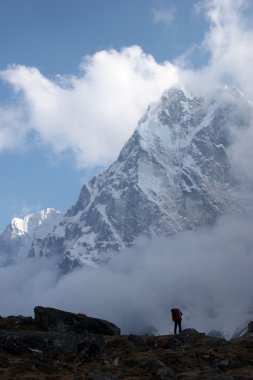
(177, 319)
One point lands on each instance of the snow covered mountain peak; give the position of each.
(30, 223)
(179, 115)
(172, 175)
(17, 238)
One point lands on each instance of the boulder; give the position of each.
(192, 332)
(159, 369)
(154, 366)
(50, 319)
(18, 322)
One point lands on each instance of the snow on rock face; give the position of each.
(30, 223)
(16, 240)
(172, 175)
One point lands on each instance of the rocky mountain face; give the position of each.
(17, 239)
(172, 175)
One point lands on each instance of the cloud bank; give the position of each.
(207, 273)
(228, 44)
(93, 114)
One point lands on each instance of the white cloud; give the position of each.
(13, 128)
(228, 43)
(207, 273)
(94, 114)
(164, 16)
(241, 153)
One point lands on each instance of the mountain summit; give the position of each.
(17, 238)
(172, 175)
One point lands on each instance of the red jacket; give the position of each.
(176, 315)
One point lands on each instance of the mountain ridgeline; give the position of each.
(172, 175)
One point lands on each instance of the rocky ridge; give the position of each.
(55, 350)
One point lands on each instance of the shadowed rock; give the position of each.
(49, 319)
(40, 355)
(49, 344)
(18, 322)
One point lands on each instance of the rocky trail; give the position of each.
(62, 345)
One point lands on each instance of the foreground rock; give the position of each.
(49, 319)
(16, 323)
(50, 344)
(37, 355)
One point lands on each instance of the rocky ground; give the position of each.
(52, 346)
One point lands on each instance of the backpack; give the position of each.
(176, 315)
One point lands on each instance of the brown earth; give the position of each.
(33, 355)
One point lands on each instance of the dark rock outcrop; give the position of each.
(49, 319)
(19, 322)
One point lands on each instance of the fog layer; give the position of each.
(208, 274)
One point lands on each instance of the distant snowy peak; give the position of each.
(28, 225)
(16, 240)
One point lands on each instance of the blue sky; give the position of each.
(76, 75)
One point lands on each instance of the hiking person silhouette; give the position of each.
(177, 319)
